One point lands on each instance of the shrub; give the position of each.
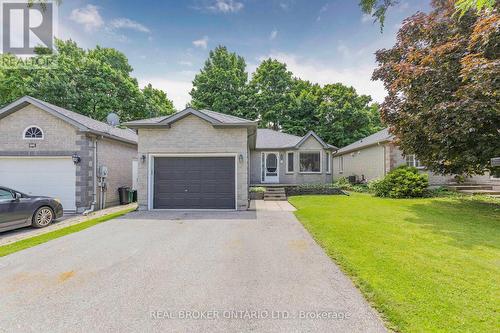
(402, 182)
(257, 189)
(342, 183)
(313, 189)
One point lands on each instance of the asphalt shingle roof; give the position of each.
(269, 139)
(375, 138)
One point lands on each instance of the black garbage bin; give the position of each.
(134, 195)
(123, 193)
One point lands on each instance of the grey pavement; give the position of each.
(185, 272)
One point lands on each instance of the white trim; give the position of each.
(329, 164)
(293, 162)
(151, 157)
(320, 162)
(27, 128)
(341, 164)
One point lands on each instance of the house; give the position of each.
(48, 150)
(200, 159)
(376, 155)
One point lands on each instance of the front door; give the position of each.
(270, 168)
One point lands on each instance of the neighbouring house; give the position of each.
(200, 159)
(51, 151)
(376, 155)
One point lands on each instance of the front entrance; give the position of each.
(270, 168)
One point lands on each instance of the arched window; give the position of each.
(33, 132)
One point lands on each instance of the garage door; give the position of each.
(53, 177)
(194, 183)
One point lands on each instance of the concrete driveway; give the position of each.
(183, 272)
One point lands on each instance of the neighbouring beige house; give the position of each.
(376, 155)
(50, 151)
(200, 159)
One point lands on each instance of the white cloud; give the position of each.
(176, 90)
(321, 11)
(88, 16)
(202, 43)
(344, 50)
(273, 34)
(358, 76)
(126, 23)
(367, 18)
(225, 6)
(185, 63)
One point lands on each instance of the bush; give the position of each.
(257, 189)
(342, 183)
(313, 189)
(402, 182)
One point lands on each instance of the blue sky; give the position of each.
(168, 41)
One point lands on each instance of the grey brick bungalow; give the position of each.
(200, 159)
(48, 150)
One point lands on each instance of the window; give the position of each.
(310, 162)
(33, 132)
(5, 195)
(289, 162)
(328, 161)
(411, 161)
(341, 164)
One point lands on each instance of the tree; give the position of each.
(344, 116)
(94, 83)
(157, 102)
(220, 85)
(442, 82)
(378, 8)
(270, 93)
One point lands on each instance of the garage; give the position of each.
(194, 182)
(45, 176)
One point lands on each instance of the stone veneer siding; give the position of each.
(192, 135)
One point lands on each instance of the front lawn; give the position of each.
(425, 264)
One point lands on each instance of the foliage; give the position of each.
(442, 83)
(270, 93)
(342, 183)
(94, 83)
(378, 8)
(428, 265)
(258, 189)
(402, 182)
(309, 189)
(221, 84)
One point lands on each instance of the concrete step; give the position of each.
(275, 199)
(275, 189)
(279, 195)
(470, 187)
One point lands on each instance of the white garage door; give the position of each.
(53, 177)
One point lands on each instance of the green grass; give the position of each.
(37, 240)
(427, 265)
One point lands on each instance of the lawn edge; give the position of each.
(363, 286)
(30, 242)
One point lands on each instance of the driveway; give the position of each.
(183, 272)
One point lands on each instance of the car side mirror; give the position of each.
(17, 196)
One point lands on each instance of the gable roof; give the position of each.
(215, 118)
(271, 139)
(379, 137)
(80, 121)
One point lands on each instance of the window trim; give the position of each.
(31, 126)
(320, 161)
(415, 160)
(329, 164)
(287, 171)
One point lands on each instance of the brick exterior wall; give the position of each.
(193, 135)
(63, 139)
(296, 177)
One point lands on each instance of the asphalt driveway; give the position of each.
(183, 272)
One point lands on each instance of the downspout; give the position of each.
(94, 173)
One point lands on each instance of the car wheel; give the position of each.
(42, 217)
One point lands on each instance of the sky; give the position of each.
(167, 42)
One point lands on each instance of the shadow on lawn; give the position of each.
(466, 222)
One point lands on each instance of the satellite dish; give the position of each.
(113, 120)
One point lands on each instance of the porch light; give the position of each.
(281, 157)
(240, 158)
(143, 158)
(76, 159)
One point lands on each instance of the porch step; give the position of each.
(486, 192)
(275, 194)
(470, 187)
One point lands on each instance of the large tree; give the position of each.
(442, 80)
(270, 93)
(156, 102)
(221, 84)
(94, 83)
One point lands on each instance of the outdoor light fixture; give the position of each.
(281, 157)
(240, 158)
(76, 159)
(143, 158)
